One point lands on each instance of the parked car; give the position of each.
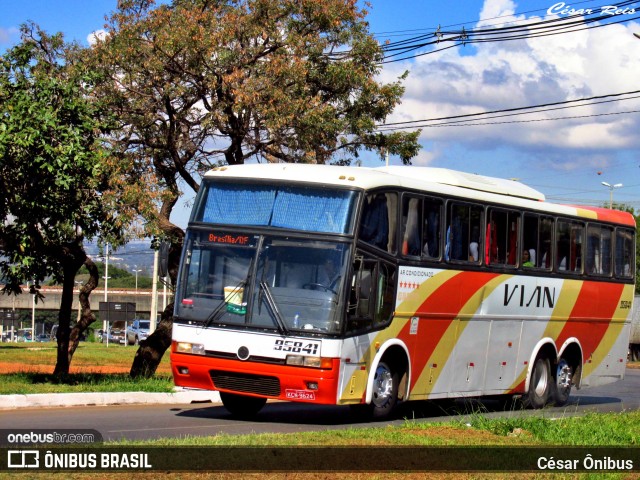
(138, 331)
(43, 337)
(116, 333)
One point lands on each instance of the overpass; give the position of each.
(53, 296)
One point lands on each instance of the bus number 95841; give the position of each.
(296, 347)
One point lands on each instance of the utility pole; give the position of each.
(154, 293)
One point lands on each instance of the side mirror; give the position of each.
(163, 259)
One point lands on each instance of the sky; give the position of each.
(564, 158)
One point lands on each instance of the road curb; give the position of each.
(8, 402)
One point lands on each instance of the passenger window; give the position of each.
(502, 237)
(421, 227)
(463, 240)
(412, 226)
(431, 228)
(569, 241)
(599, 251)
(536, 241)
(624, 255)
(379, 221)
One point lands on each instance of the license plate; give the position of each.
(300, 394)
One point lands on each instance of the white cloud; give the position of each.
(7, 35)
(502, 75)
(93, 37)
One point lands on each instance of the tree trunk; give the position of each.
(86, 315)
(72, 256)
(151, 350)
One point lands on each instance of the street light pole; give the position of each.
(136, 270)
(611, 187)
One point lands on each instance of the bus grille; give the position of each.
(241, 382)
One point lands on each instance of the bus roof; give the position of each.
(435, 180)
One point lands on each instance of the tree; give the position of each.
(51, 170)
(198, 83)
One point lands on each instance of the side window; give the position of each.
(411, 226)
(599, 251)
(624, 254)
(421, 227)
(379, 221)
(431, 228)
(502, 237)
(372, 296)
(569, 251)
(463, 240)
(537, 233)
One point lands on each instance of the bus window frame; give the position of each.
(540, 255)
(518, 247)
(557, 260)
(481, 240)
(423, 199)
(632, 263)
(612, 232)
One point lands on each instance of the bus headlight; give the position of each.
(313, 362)
(192, 348)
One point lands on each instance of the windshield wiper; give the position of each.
(271, 303)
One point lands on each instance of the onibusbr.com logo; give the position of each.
(40, 449)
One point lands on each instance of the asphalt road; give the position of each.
(157, 421)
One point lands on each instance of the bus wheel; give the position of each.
(385, 391)
(562, 384)
(242, 405)
(634, 350)
(539, 385)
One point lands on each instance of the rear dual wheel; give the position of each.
(546, 387)
(539, 385)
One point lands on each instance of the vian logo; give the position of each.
(537, 297)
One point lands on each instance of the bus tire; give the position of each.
(385, 391)
(539, 385)
(634, 351)
(384, 395)
(562, 383)
(242, 406)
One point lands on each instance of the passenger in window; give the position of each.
(526, 259)
(474, 245)
(431, 229)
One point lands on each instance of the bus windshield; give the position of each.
(310, 209)
(263, 282)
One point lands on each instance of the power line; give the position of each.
(458, 120)
(555, 26)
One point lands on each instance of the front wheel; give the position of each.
(540, 384)
(384, 395)
(241, 405)
(562, 384)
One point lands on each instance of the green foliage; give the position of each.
(51, 156)
(29, 383)
(225, 81)
(591, 429)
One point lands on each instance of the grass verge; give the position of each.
(33, 382)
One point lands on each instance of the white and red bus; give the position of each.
(364, 287)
